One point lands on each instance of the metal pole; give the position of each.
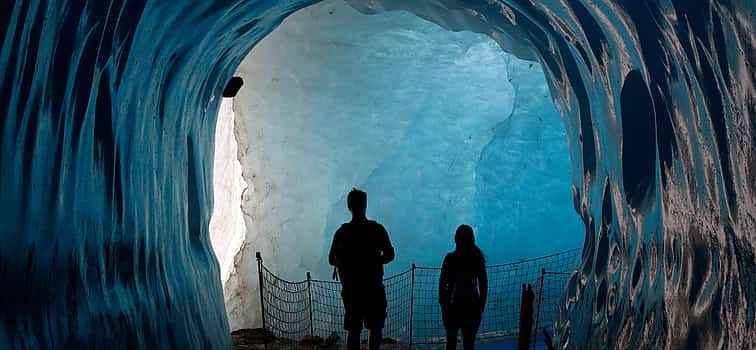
(309, 296)
(538, 308)
(262, 295)
(412, 305)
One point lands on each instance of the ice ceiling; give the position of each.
(440, 128)
(108, 112)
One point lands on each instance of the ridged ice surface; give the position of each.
(106, 143)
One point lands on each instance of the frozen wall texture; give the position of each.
(106, 146)
(440, 128)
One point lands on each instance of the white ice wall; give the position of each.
(227, 228)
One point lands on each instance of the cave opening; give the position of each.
(439, 127)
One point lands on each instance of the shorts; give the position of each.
(364, 308)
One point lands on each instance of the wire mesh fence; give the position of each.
(311, 311)
(328, 310)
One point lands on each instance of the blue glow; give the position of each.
(440, 129)
(107, 119)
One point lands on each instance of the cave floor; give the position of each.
(253, 339)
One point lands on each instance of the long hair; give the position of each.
(466, 248)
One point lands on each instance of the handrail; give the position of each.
(419, 267)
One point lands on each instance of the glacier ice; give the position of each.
(107, 122)
(458, 132)
(227, 229)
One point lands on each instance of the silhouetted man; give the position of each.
(359, 250)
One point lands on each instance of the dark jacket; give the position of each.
(359, 250)
(463, 280)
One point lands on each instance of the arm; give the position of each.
(443, 284)
(387, 250)
(483, 285)
(333, 254)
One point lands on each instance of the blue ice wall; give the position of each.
(106, 142)
(523, 199)
(440, 128)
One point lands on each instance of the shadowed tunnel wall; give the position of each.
(108, 111)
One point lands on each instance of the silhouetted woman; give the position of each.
(463, 289)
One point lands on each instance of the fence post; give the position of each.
(309, 298)
(412, 304)
(526, 317)
(538, 307)
(262, 295)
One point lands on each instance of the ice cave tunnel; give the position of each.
(440, 128)
(111, 118)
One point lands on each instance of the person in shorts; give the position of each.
(359, 250)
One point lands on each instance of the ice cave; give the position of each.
(134, 197)
(446, 138)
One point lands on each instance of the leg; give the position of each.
(375, 339)
(375, 317)
(468, 337)
(353, 316)
(353, 340)
(470, 330)
(450, 317)
(451, 338)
